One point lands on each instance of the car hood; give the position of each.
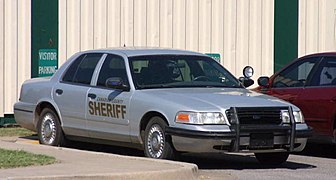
(200, 99)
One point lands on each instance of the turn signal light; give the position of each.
(182, 117)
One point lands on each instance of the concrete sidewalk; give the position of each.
(79, 164)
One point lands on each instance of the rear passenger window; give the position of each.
(326, 73)
(81, 70)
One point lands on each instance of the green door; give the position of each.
(44, 34)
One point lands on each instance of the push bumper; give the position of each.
(251, 139)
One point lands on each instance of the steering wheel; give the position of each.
(201, 78)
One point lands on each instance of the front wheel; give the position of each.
(49, 129)
(272, 158)
(157, 145)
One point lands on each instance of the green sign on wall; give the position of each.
(214, 56)
(48, 62)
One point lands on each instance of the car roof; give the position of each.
(302, 58)
(319, 54)
(140, 51)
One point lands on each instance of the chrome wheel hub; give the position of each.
(48, 129)
(155, 141)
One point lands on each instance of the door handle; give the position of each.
(59, 91)
(92, 96)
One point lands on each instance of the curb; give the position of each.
(181, 173)
(180, 170)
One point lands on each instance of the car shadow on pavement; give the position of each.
(236, 161)
(32, 137)
(202, 160)
(314, 149)
(86, 146)
(105, 148)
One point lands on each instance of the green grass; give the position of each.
(9, 132)
(19, 158)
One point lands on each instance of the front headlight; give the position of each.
(200, 118)
(298, 117)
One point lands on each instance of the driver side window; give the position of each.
(295, 75)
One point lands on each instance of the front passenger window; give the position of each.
(113, 66)
(295, 75)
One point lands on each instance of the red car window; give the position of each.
(295, 75)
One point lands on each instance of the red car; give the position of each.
(308, 82)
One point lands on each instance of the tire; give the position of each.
(272, 158)
(49, 129)
(157, 145)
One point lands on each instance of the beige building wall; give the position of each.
(15, 48)
(241, 31)
(317, 26)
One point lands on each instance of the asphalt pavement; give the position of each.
(81, 164)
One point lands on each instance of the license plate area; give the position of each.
(261, 140)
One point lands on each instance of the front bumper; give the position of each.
(247, 139)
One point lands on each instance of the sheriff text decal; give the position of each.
(113, 109)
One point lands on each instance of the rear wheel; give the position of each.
(49, 129)
(272, 158)
(157, 145)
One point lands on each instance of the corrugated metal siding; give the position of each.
(2, 62)
(267, 41)
(11, 54)
(241, 31)
(317, 26)
(15, 28)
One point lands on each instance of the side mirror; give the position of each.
(263, 81)
(116, 83)
(246, 81)
(248, 73)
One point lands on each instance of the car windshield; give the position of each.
(170, 71)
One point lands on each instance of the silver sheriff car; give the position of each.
(163, 101)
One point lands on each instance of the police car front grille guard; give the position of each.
(258, 115)
(235, 121)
